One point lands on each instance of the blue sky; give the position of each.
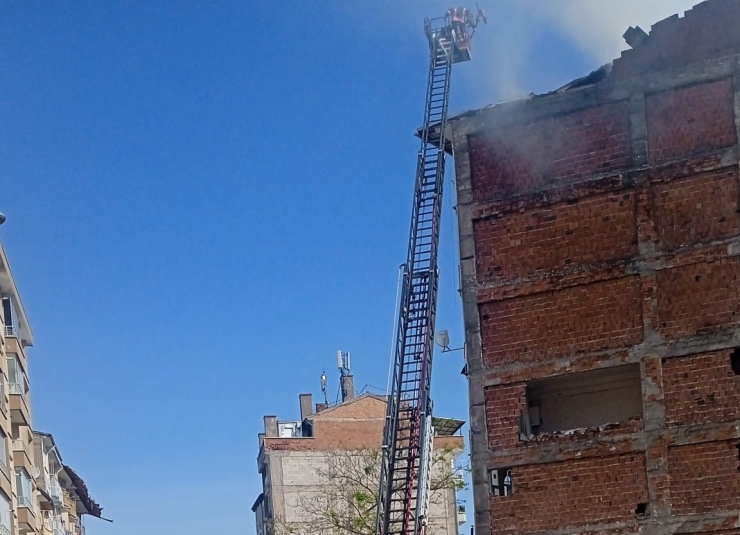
(206, 200)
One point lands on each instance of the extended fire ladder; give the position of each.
(407, 439)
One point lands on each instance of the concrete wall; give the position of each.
(302, 474)
(600, 227)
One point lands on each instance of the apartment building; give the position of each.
(600, 253)
(315, 469)
(38, 494)
(62, 495)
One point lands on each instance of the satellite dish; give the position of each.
(442, 339)
(36, 472)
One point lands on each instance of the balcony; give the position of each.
(26, 515)
(21, 456)
(56, 493)
(3, 403)
(11, 330)
(19, 413)
(462, 515)
(4, 530)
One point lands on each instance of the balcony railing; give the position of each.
(4, 530)
(23, 501)
(15, 388)
(11, 330)
(56, 492)
(4, 466)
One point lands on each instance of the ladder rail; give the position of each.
(405, 456)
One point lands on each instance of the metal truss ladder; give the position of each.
(407, 436)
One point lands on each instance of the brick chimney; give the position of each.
(348, 387)
(271, 426)
(306, 402)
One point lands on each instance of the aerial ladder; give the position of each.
(405, 477)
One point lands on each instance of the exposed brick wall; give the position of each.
(709, 30)
(590, 226)
(699, 298)
(593, 229)
(691, 119)
(504, 405)
(704, 477)
(538, 327)
(550, 152)
(571, 493)
(698, 208)
(701, 388)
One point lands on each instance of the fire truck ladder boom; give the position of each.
(406, 459)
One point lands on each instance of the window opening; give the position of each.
(641, 511)
(582, 400)
(735, 361)
(502, 482)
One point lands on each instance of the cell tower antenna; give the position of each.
(343, 362)
(345, 380)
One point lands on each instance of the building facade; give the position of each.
(600, 255)
(38, 494)
(319, 473)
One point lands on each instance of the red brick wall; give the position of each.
(699, 298)
(538, 327)
(504, 405)
(550, 152)
(707, 31)
(701, 388)
(571, 493)
(698, 208)
(593, 229)
(689, 120)
(704, 477)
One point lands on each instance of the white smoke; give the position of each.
(508, 45)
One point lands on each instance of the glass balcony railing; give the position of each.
(24, 501)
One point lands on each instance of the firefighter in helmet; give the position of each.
(458, 20)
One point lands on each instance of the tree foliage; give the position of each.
(347, 501)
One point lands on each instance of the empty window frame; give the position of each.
(583, 400)
(502, 482)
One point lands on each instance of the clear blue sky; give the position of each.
(205, 201)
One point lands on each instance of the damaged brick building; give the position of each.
(600, 253)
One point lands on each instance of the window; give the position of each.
(17, 383)
(24, 488)
(3, 452)
(10, 318)
(502, 483)
(3, 405)
(735, 361)
(583, 400)
(5, 526)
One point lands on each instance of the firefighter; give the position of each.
(458, 18)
